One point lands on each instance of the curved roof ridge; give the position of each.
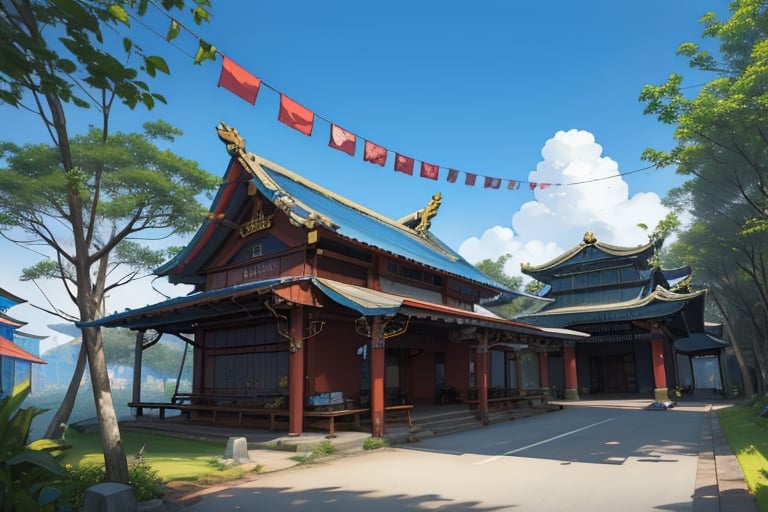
(660, 293)
(330, 194)
(613, 250)
(253, 158)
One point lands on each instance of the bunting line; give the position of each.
(246, 86)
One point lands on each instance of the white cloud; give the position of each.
(591, 196)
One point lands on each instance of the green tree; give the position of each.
(722, 146)
(495, 270)
(89, 199)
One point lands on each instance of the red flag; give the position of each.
(452, 175)
(533, 185)
(239, 81)
(403, 164)
(470, 179)
(296, 116)
(492, 182)
(374, 153)
(542, 186)
(342, 140)
(429, 171)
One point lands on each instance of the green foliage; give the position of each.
(747, 434)
(534, 287)
(32, 63)
(88, 199)
(125, 182)
(29, 475)
(144, 481)
(374, 443)
(321, 449)
(720, 145)
(667, 226)
(495, 270)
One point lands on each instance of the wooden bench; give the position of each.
(213, 409)
(160, 406)
(332, 415)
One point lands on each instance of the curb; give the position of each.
(720, 485)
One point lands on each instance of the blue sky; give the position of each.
(478, 88)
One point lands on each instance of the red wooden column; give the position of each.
(661, 393)
(544, 369)
(296, 373)
(571, 379)
(482, 377)
(377, 361)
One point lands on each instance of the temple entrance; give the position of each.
(395, 376)
(613, 374)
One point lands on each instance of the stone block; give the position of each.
(109, 497)
(237, 450)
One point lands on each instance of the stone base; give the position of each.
(237, 450)
(572, 394)
(661, 394)
(109, 497)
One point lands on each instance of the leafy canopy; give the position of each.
(127, 185)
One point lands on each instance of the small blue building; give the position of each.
(17, 351)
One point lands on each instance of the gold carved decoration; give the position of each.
(428, 213)
(259, 222)
(590, 238)
(235, 144)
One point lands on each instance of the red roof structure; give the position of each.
(9, 349)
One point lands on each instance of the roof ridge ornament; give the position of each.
(590, 238)
(429, 211)
(231, 138)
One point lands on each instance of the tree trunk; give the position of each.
(746, 376)
(61, 417)
(115, 461)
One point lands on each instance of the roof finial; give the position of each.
(590, 238)
(428, 212)
(229, 136)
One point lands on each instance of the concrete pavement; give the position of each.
(720, 485)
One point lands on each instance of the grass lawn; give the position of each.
(174, 458)
(747, 433)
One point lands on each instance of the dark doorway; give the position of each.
(439, 376)
(613, 374)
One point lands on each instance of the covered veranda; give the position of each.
(317, 324)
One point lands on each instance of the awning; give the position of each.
(180, 314)
(10, 349)
(699, 342)
(363, 300)
(372, 302)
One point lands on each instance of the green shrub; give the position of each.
(29, 473)
(144, 482)
(319, 450)
(374, 443)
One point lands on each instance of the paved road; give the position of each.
(579, 459)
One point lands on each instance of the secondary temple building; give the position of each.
(647, 330)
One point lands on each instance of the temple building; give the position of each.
(18, 351)
(647, 329)
(304, 299)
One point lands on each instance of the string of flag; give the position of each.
(245, 85)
